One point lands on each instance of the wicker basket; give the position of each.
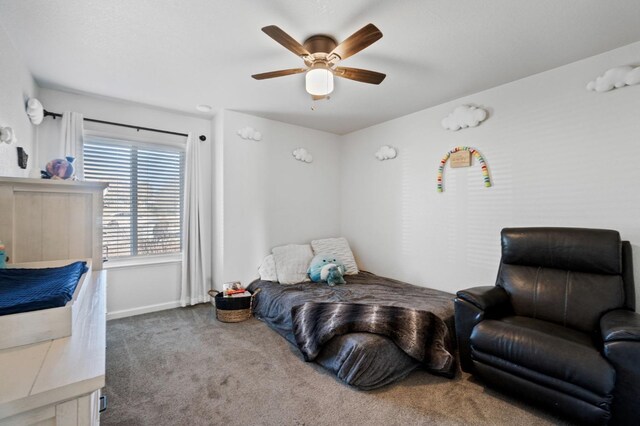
(233, 309)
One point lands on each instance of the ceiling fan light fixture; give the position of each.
(319, 81)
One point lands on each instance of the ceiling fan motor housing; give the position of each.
(320, 44)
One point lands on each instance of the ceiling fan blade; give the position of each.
(285, 39)
(359, 40)
(280, 73)
(364, 76)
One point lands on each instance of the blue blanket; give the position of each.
(24, 290)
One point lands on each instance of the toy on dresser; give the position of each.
(60, 168)
(326, 267)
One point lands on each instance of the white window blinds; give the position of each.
(143, 204)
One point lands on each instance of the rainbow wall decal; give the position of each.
(475, 153)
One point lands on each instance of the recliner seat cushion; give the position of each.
(549, 349)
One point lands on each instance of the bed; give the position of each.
(364, 360)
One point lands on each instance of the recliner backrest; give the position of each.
(569, 276)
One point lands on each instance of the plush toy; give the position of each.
(326, 267)
(60, 168)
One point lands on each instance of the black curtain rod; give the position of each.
(138, 128)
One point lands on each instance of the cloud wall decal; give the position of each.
(386, 152)
(250, 133)
(303, 155)
(464, 116)
(615, 78)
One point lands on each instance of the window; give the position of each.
(143, 203)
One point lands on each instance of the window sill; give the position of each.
(142, 261)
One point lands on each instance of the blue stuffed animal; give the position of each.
(326, 267)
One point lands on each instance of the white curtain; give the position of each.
(72, 139)
(194, 286)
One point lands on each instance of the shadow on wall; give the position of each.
(636, 271)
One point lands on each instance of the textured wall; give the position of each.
(16, 86)
(268, 198)
(558, 154)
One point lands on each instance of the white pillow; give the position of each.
(267, 269)
(340, 248)
(292, 262)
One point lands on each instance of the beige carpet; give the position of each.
(182, 367)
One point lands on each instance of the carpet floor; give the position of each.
(183, 367)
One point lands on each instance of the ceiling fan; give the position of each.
(321, 55)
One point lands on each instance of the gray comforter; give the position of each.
(360, 359)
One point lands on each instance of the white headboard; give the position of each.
(43, 219)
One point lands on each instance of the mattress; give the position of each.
(363, 360)
(25, 290)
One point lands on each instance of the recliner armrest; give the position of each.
(472, 306)
(620, 325)
(485, 298)
(621, 337)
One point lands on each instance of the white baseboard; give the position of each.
(142, 310)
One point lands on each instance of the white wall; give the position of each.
(16, 87)
(268, 198)
(137, 288)
(558, 155)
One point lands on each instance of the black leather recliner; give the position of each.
(559, 327)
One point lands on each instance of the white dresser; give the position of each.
(58, 382)
(55, 382)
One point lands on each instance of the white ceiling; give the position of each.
(177, 54)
